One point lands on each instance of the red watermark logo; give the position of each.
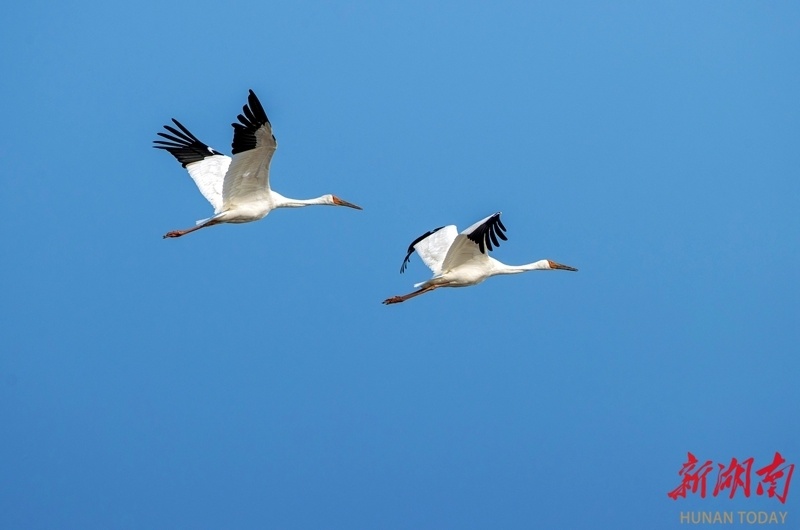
(772, 479)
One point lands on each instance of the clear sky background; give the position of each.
(249, 377)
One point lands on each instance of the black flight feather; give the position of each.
(253, 117)
(183, 145)
(487, 233)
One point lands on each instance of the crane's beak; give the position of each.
(554, 265)
(339, 202)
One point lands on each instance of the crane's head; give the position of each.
(554, 265)
(336, 201)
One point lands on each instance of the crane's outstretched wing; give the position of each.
(253, 144)
(486, 229)
(206, 166)
(432, 247)
(473, 242)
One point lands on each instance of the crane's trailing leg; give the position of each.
(398, 299)
(179, 233)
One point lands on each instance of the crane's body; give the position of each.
(238, 188)
(461, 260)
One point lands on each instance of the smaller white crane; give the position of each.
(461, 260)
(238, 188)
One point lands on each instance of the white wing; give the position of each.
(432, 247)
(472, 243)
(206, 166)
(254, 144)
(209, 174)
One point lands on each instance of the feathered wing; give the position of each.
(253, 144)
(432, 247)
(206, 166)
(472, 243)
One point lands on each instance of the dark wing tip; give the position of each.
(252, 118)
(411, 247)
(404, 266)
(488, 233)
(255, 105)
(183, 145)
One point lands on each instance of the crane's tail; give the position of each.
(430, 282)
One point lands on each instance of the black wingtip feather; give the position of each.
(488, 232)
(252, 118)
(183, 145)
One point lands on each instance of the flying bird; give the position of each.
(461, 260)
(238, 188)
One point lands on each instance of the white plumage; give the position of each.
(238, 188)
(460, 260)
(433, 249)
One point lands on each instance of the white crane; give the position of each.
(238, 188)
(461, 260)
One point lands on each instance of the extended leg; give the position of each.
(398, 299)
(179, 233)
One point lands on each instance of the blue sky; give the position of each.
(248, 376)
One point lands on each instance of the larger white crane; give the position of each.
(461, 260)
(238, 188)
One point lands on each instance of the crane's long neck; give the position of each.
(502, 268)
(286, 202)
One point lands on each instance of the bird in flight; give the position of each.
(461, 260)
(238, 188)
